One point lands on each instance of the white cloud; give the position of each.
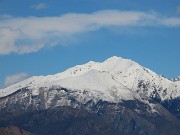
(31, 34)
(40, 6)
(171, 22)
(12, 79)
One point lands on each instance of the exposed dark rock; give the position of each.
(105, 119)
(173, 106)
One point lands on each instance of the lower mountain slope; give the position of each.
(103, 119)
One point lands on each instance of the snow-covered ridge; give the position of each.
(176, 79)
(123, 76)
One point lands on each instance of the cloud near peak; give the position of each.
(31, 34)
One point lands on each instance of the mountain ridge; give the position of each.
(118, 67)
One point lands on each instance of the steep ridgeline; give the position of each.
(176, 79)
(116, 84)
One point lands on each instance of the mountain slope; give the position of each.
(113, 80)
(105, 119)
(126, 72)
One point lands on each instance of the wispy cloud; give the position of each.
(39, 6)
(31, 34)
(172, 22)
(12, 79)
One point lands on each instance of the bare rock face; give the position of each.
(12, 130)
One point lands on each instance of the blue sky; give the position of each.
(45, 37)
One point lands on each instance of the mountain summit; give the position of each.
(116, 83)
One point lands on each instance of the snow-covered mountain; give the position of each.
(110, 75)
(114, 79)
(93, 86)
